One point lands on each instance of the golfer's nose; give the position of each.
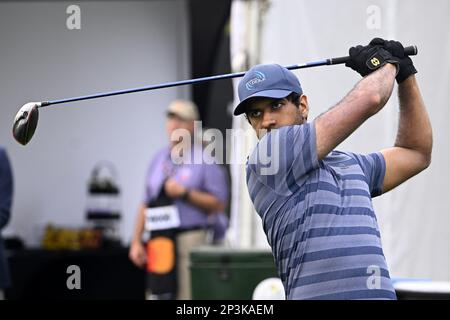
(268, 121)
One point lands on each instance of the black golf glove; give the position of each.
(366, 59)
(397, 50)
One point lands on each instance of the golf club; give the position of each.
(25, 121)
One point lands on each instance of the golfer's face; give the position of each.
(266, 114)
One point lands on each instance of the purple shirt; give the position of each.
(210, 178)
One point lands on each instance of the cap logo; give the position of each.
(259, 77)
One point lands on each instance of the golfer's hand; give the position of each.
(137, 254)
(366, 59)
(173, 188)
(397, 50)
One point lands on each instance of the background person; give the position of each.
(198, 190)
(6, 194)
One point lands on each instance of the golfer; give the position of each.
(316, 207)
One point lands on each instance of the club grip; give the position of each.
(409, 51)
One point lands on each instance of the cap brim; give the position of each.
(277, 94)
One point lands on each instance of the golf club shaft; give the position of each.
(411, 50)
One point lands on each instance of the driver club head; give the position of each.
(25, 122)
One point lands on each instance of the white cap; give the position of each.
(184, 109)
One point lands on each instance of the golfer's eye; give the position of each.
(254, 114)
(277, 105)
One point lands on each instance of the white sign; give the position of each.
(161, 218)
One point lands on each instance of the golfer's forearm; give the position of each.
(414, 129)
(139, 227)
(365, 100)
(205, 201)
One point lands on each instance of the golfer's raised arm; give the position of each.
(363, 101)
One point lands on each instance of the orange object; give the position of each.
(160, 255)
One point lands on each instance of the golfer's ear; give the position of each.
(304, 106)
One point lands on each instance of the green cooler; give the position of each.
(222, 273)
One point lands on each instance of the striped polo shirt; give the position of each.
(318, 216)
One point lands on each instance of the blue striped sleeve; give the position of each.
(374, 168)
